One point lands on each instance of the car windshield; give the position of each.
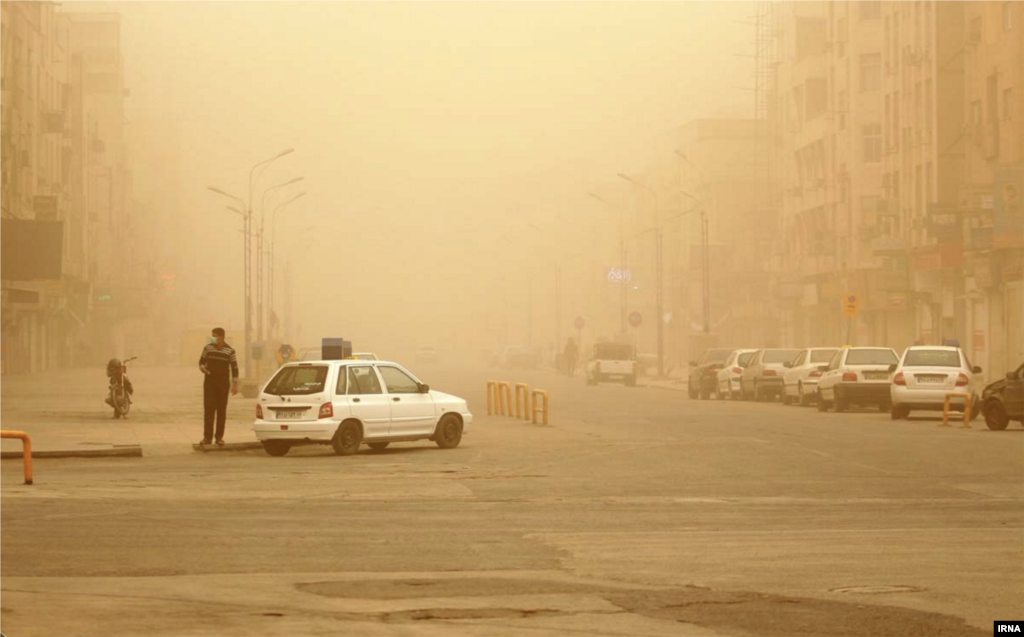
(298, 381)
(716, 355)
(871, 357)
(822, 355)
(745, 358)
(613, 352)
(932, 358)
(779, 355)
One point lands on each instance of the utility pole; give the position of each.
(658, 272)
(706, 267)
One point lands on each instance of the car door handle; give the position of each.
(396, 399)
(355, 400)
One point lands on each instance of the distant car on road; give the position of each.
(924, 376)
(728, 380)
(857, 376)
(426, 354)
(349, 403)
(612, 362)
(1003, 400)
(704, 376)
(762, 377)
(801, 377)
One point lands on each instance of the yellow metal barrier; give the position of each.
(967, 408)
(26, 450)
(544, 407)
(492, 396)
(504, 398)
(523, 390)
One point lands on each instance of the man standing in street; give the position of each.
(569, 356)
(220, 366)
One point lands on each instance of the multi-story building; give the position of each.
(991, 210)
(923, 136)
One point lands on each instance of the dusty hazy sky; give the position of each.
(424, 129)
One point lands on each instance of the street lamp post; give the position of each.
(705, 258)
(659, 293)
(259, 256)
(246, 228)
(273, 239)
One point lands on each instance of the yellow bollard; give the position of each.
(26, 451)
(967, 408)
(522, 389)
(544, 407)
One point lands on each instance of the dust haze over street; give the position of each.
(492, 318)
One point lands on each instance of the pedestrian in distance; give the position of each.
(570, 354)
(220, 367)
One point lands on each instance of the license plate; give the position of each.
(931, 379)
(289, 415)
(875, 375)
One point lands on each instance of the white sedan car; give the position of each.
(348, 403)
(857, 376)
(729, 376)
(926, 374)
(800, 382)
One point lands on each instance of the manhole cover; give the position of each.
(878, 589)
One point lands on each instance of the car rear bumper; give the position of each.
(863, 393)
(271, 430)
(769, 381)
(926, 399)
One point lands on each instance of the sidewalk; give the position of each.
(64, 414)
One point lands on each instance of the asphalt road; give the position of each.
(636, 512)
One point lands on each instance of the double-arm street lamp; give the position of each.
(705, 258)
(260, 283)
(247, 237)
(624, 288)
(273, 239)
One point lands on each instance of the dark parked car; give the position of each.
(1003, 400)
(704, 376)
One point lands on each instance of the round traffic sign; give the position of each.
(579, 322)
(635, 319)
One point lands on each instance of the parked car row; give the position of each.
(841, 377)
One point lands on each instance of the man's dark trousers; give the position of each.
(215, 401)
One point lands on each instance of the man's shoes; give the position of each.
(205, 441)
(220, 442)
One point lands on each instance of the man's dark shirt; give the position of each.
(220, 363)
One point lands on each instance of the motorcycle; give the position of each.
(120, 389)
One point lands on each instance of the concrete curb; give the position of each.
(231, 446)
(126, 451)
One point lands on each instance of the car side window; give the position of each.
(397, 381)
(342, 386)
(363, 380)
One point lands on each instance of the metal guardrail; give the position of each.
(967, 408)
(528, 404)
(26, 450)
(544, 407)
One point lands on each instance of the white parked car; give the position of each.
(762, 377)
(612, 362)
(926, 374)
(857, 376)
(729, 376)
(348, 403)
(800, 382)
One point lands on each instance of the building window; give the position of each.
(870, 71)
(869, 10)
(872, 142)
(1007, 16)
(1008, 104)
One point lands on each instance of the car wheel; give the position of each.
(449, 432)
(378, 446)
(995, 415)
(822, 403)
(804, 399)
(899, 412)
(347, 438)
(277, 448)
(840, 402)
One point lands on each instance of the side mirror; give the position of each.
(975, 370)
(788, 364)
(892, 368)
(423, 387)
